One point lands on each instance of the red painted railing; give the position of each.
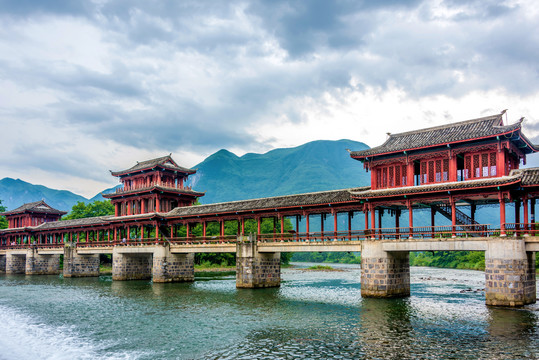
(422, 232)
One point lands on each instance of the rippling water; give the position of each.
(314, 315)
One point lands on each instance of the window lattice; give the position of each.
(431, 172)
(397, 175)
(391, 176)
(476, 169)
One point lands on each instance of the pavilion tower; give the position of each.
(156, 185)
(32, 214)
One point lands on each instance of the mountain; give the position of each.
(14, 193)
(99, 196)
(314, 166)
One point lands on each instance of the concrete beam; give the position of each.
(436, 245)
(309, 246)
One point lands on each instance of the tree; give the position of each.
(3, 220)
(97, 208)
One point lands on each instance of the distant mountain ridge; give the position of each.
(315, 166)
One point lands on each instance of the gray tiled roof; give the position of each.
(460, 131)
(530, 176)
(74, 222)
(148, 164)
(155, 187)
(323, 197)
(447, 186)
(35, 207)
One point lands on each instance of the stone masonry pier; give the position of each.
(509, 273)
(255, 269)
(384, 274)
(77, 265)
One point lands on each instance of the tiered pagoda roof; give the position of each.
(37, 207)
(475, 129)
(165, 162)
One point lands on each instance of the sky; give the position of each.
(92, 86)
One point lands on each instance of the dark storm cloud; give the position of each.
(250, 58)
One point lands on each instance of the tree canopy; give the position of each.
(3, 220)
(97, 208)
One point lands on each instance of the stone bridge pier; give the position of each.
(2, 263)
(169, 267)
(509, 273)
(42, 264)
(76, 265)
(157, 263)
(255, 269)
(15, 262)
(384, 274)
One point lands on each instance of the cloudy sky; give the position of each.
(96, 85)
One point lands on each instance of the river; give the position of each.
(313, 315)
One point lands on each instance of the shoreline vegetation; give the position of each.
(464, 260)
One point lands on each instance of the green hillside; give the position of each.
(315, 166)
(14, 193)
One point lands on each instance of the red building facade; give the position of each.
(156, 185)
(467, 163)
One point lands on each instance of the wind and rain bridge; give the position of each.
(452, 170)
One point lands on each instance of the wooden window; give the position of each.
(390, 176)
(434, 171)
(480, 165)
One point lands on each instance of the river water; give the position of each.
(313, 315)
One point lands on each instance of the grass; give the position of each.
(321, 267)
(105, 269)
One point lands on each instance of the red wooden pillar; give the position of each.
(222, 231)
(156, 231)
(157, 205)
(397, 222)
(453, 217)
(322, 225)
(335, 223)
(143, 206)
(502, 213)
(532, 205)
(526, 221)
(373, 221)
(517, 216)
(374, 184)
(432, 220)
(282, 224)
(307, 224)
(380, 214)
(500, 161)
(350, 216)
(258, 225)
(97, 237)
(410, 173)
(452, 166)
(141, 232)
(366, 211)
(187, 229)
(410, 218)
(129, 208)
(128, 230)
(297, 226)
(204, 228)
